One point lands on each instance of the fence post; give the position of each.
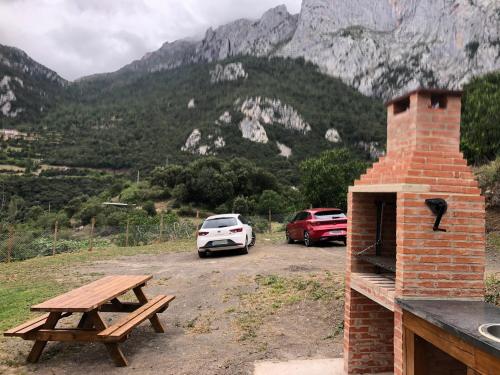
(92, 225)
(54, 245)
(161, 228)
(126, 233)
(10, 244)
(270, 222)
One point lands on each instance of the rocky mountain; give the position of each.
(242, 37)
(383, 47)
(379, 47)
(27, 88)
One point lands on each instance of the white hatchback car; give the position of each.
(224, 232)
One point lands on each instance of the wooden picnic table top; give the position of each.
(93, 295)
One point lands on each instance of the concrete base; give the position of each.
(334, 366)
(328, 366)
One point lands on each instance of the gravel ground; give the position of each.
(223, 318)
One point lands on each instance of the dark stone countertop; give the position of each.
(460, 318)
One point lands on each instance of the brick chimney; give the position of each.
(396, 248)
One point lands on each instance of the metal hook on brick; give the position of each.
(438, 207)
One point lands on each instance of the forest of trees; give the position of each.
(142, 122)
(138, 125)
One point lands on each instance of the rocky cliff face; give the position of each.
(384, 47)
(245, 37)
(380, 47)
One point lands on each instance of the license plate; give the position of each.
(337, 233)
(219, 242)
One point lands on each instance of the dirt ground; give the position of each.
(278, 302)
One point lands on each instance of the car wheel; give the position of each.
(307, 240)
(202, 254)
(244, 250)
(288, 238)
(254, 238)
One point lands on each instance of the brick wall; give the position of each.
(440, 264)
(368, 335)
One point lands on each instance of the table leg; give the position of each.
(116, 355)
(85, 322)
(155, 321)
(38, 347)
(114, 350)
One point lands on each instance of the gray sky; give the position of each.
(82, 37)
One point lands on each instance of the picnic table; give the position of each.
(90, 301)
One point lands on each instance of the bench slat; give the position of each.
(29, 323)
(135, 318)
(30, 326)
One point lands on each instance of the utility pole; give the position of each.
(138, 176)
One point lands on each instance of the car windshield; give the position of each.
(220, 222)
(329, 215)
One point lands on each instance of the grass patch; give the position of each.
(273, 292)
(493, 242)
(201, 324)
(492, 290)
(25, 283)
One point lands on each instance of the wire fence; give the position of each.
(19, 243)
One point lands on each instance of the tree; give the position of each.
(271, 200)
(15, 208)
(325, 179)
(481, 119)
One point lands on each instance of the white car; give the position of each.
(224, 232)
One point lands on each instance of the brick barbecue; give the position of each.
(396, 246)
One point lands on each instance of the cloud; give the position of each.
(82, 37)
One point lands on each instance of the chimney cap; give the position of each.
(424, 91)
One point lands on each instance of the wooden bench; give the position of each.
(122, 328)
(90, 300)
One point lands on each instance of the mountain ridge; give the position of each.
(380, 48)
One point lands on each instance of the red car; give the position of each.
(317, 224)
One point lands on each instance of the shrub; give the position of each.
(259, 224)
(149, 207)
(187, 211)
(492, 290)
(241, 205)
(489, 181)
(222, 209)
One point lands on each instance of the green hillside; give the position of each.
(142, 122)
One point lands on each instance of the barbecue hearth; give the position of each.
(399, 246)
